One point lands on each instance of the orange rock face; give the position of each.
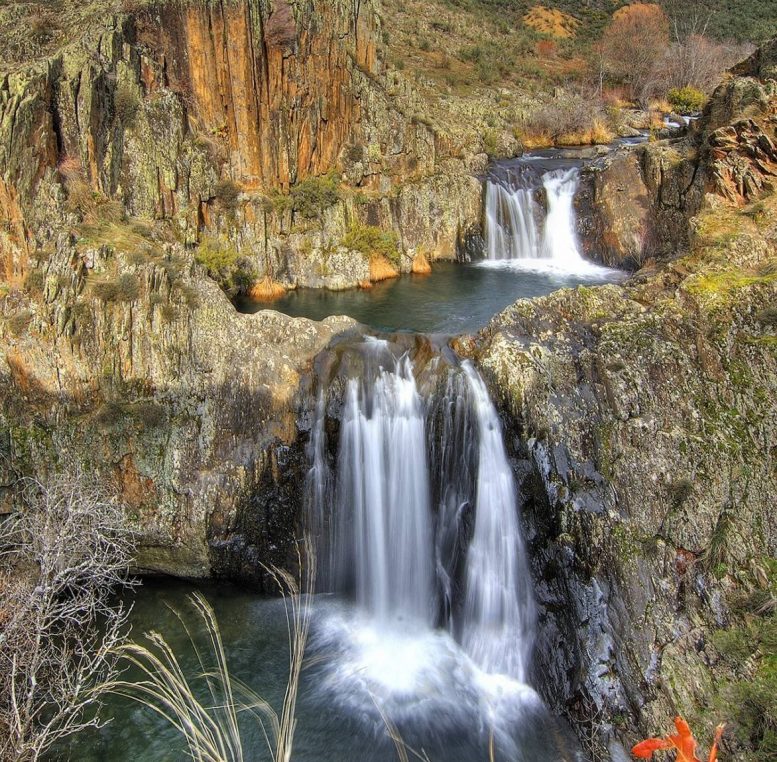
(275, 90)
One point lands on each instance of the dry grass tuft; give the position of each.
(266, 290)
(421, 264)
(211, 725)
(381, 269)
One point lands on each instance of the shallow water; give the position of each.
(439, 700)
(454, 299)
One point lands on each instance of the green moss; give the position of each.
(721, 283)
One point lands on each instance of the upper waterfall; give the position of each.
(519, 227)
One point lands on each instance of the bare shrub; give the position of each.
(700, 62)
(569, 119)
(633, 47)
(62, 556)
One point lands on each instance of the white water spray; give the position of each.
(499, 609)
(512, 214)
(382, 497)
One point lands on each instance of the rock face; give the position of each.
(646, 424)
(636, 205)
(159, 129)
(205, 114)
(186, 409)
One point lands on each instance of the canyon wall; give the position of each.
(647, 431)
(204, 114)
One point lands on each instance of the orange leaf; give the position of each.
(646, 748)
(684, 741)
(714, 749)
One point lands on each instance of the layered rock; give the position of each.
(156, 130)
(204, 114)
(180, 403)
(647, 429)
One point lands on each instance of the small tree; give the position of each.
(62, 556)
(634, 46)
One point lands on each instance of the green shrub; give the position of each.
(312, 196)
(125, 288)
(372, 241)
(224, 264)
(491, 143)
(278, 202)
(686, 100)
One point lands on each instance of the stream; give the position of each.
(423, 616)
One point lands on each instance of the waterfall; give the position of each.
(499, 609)
(512, 211)
(511, 227)
(419, 516)
(383, 484)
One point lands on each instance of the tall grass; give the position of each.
(206, 709)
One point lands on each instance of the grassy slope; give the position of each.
(742, 20)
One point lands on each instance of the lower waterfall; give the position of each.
(416, 510)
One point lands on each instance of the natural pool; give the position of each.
(444, 698)
(453, 299)
(452, 683)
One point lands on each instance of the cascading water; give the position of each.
(419, 515)
(384, 538)
(511, 222)
(499, 609)
(512, 212)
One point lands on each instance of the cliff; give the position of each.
(204, 115)
(636, 205)
(159, 132)
(647, 428)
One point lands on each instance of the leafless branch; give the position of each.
(63, 555)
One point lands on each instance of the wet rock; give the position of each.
(644, 413)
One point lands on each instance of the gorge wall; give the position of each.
(204, 114)
(647, 430)
(161, 128)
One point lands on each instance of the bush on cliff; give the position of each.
(372, 242)
(125, 288)
(569, 119)
(312, 196)
(225, 265)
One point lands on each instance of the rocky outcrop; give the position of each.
(647, 430)
(159, 130)
(204, 114)
(160, 387)
(635, 206)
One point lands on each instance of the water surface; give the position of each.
(438, 693)
(454, 299)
